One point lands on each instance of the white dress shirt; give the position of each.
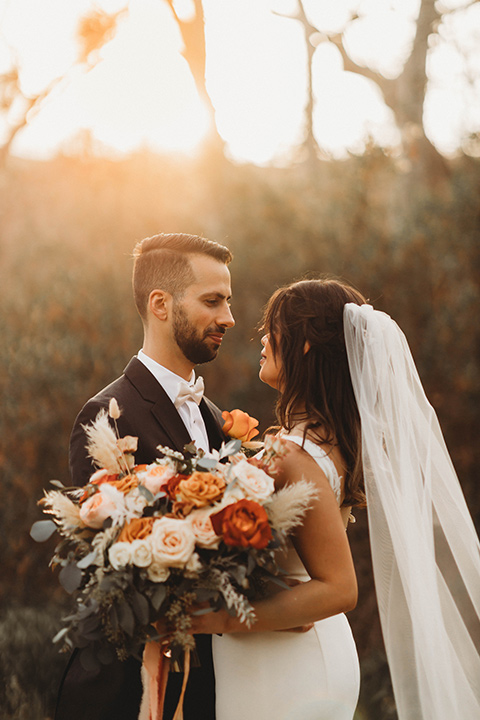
(189, 410)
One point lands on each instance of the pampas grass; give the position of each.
(66, 512)
(102, 444)
(288, 506)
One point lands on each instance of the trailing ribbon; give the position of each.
(155, 669)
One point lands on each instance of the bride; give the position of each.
(353, 413)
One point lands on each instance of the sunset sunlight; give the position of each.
(141, 92)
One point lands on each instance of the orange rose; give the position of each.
(239, 425)
(200, 489)
(136, 529)
(126, 484)
(243, 524)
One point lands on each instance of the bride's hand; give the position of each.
(207, 621)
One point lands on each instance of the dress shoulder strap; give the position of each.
(324, 462)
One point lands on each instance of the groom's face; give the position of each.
(202, 315)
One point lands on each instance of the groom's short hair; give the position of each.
(162, 262)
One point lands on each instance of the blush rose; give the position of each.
(254, 482)
(173, 542)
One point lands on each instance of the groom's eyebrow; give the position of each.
(216, 294)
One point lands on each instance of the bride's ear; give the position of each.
(306, 347)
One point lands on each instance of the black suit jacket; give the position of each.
(115, 692)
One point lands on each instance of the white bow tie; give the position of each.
(189, 392)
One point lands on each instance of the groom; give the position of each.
(181, 287)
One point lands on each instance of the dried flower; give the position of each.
(113, 409)
(288, 506)
(102, 444)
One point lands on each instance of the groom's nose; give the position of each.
(226, 318)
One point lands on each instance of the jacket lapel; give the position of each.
(165, 412)
(212, 417)
(162, 408)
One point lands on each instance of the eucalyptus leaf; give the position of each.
(159, 596)
(106, 655)
(232, 447)
(89, 660)
(88, 560)
(107, 583)
(70, 577)
(279, 582)
(202, 611)
(89, 624)
(146, 493)
(113, 616)
(126, 618)
(204, 594)
(140, 607)
(42, 530)
(206, 463)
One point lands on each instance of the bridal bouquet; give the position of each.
(143, 542)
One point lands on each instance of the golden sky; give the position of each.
(141, 94)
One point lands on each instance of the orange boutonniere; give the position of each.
(239, 425)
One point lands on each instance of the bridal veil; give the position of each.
(425, 551)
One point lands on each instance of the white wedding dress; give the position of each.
(288, 675)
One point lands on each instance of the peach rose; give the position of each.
(155, 477)
(101, 476)
(202, 527)
(239, 425)
(173, 542)
(254, 482)
(243, 524)
(96, 509)
(198, 489)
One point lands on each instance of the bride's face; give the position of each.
(269, 364)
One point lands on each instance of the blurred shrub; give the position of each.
(30, 665)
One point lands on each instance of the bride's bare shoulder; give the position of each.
(295, 464)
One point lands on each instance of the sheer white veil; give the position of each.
(426, 554)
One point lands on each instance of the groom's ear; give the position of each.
(159, 304)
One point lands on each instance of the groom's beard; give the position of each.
(197, 347)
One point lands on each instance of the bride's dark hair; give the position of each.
(305, 324)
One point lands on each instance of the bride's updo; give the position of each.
(305, 324)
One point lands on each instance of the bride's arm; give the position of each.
(323, 547)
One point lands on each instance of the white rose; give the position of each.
(119, 555)
(254, 482)
(202, 527)
(135, 502)
(194, 565)
(173, 542)
(157, 573)
(141, 552)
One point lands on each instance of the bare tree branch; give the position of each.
(94, 31)
(195, 53)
